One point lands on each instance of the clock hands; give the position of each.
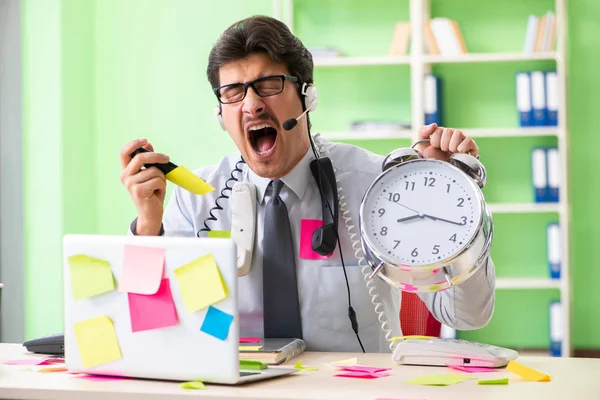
(442, 219)
(421, 215)
(411, 217)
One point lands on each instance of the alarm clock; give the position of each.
(424, 223)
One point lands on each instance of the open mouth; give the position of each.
(262, 138)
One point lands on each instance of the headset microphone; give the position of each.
(292, 122)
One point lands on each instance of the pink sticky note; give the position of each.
(363, 375)
(250, 340)
(152, 311)
(472, 369)
(101, 378)
(142, 269)
(307, 227)
(361, 368)
(36, 361)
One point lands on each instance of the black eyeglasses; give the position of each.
(264, 87)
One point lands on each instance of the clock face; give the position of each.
(421, 213)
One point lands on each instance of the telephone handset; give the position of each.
(243, 223)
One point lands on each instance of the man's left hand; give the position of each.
(443, 142)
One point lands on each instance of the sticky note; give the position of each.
(152, 311)
(193, 385)
(307, 227)
(249, 348)
(35, 361)
(183, 177)
(361, 368)
(439, 380)
(216, 323)
(250, 340)
(362, 375)
(201, 283)
(90, 276)
(302, 368)
(142, 269)
(503, 381)
(472, 369)
(253, 364)
(97, 341)
(529, 374)
(219, 234)
(53, 369)
(348, 361)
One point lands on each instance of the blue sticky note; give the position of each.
(216, 323)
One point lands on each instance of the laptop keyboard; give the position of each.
(245, 373)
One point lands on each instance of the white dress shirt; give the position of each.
(321, 284)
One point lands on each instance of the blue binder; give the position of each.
(553, 173)
(552, 98)
(432, 99)
(539, 175)
(556, 328)
(538, 98)
(523, 81)
(553, 249)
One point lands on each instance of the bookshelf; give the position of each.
(419, 64)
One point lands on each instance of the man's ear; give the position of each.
(219, 116)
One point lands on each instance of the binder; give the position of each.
(538, 98)
(556, 328)
(553, 166)
(524, 99)
(554, 249)
(432, 96)
(538, 174)
(552, 97)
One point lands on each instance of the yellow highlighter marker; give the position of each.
(179, 175)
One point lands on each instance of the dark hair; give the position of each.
(260, 34)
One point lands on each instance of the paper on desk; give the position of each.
(307, 368)
(502, 381)
(97, 341)
(529, 374)
(193, 385)
(216, 323)
(219, 234)
(142, 269)
(249, 348)
(152, 311)
(90, 276)
(201, 283)
(250, 340)
(360, 368)
(346, 362)
(471, 369)
(439, 380)
(362, 375)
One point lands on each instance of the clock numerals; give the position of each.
(384, 230)
(397, 243)
(464, 220)
(436, 249)
(429, 181)
(447, 188)
(460, 202)
(410, 185)
(394, 197)
(415, 252)
(381, 212)
(453, 238)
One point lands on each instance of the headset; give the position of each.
(324, 238)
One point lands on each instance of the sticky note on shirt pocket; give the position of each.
(307, 227)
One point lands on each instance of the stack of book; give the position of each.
(541, 33)
(443, 36)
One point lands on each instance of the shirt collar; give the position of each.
(297, 179)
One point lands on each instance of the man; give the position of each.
(258, 69)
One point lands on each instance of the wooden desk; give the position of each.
(574, 378)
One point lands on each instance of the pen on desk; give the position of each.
(179, 175)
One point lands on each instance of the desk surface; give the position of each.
(575, 378)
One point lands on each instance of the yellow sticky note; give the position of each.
(418, 337)
(183, 177)
(90, 276)
(219, 234)
(439, 380)
(502, 381)
(201, 283)
(529, 374)
(301, 368)
(97, 341)
(193, 385)
(249, 348)
(347, 362)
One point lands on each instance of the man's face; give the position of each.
(255, 123)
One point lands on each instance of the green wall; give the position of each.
(100, 73)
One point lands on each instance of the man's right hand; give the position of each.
(147, 187)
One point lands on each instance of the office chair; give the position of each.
(415, 318)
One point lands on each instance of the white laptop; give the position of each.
(157, 335)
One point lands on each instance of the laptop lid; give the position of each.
(170, 312)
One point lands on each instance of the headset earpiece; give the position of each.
(310, 96)
(219, 117)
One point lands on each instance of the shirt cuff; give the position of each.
(133, 228)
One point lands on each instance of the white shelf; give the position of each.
(489, 57)
(518, 208)
(511, 132)
(528, 283)
(359, 61)
(369, 135)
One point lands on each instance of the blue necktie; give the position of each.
(280, 285)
